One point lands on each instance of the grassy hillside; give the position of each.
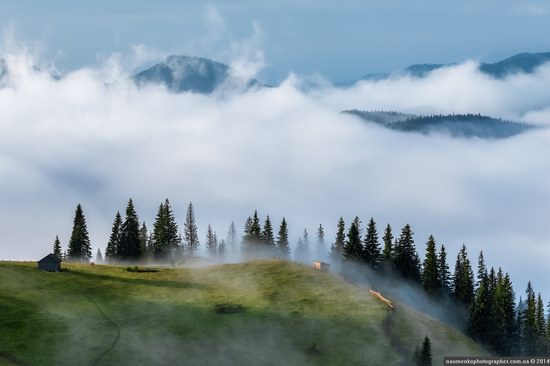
(106, 315)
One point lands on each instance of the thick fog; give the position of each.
(285, 151)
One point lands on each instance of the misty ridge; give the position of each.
(455, 125)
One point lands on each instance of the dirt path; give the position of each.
(115, 326)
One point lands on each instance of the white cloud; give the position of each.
(278, 150)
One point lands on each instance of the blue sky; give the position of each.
(340, 40)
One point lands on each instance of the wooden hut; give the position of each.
(321, 266)
(50, 263)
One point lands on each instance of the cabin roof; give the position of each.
(320, 262)
(50, 258)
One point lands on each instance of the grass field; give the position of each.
(293, 315)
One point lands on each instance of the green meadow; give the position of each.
(291, 315)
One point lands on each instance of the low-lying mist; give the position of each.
(280, 150)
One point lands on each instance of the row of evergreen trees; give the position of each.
(489, 298)
(129, 241)
(258, 240)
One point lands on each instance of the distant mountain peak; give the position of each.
(179, 73)
(185, 73)
(524, 62)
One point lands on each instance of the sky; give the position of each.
(340, 40)
(285, 151)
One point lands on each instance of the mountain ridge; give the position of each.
(525, 62)
(456, 125)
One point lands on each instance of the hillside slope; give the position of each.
(293, 315)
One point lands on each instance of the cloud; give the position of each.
(280, 150)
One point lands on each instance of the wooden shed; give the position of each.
(50, 263)
(321, 266)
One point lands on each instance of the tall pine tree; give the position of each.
(211, 245)
(57, 247)
(463, 279)
(166, 240)
(387, 252)
(80, 249)
(190, 232)
(111, 252)
(444, 273)
(232, 238)
(144, 239)
(431, 279)
(405, 257)
(425, 354)
(130, 246)
(371, 249)
(98, 256)
(320, 251)
(337, 249)
(283, 247)
(267, 234)
(353, 248)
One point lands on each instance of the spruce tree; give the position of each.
(320, 243)
(111, 252)
(463, 279)
(511, 331)
(232, 238)
(255, 229)
(337, 248)
(300, 252)
(221, 250)
(98, 256)
(57, 247)
(80, 249)
(190, 231)
(541, 322)
(305, 239)
(267, 234)
(540, 326)
(405, 258)
(371, 248)
(247, 237)
(387, 252)
(353, 248)
(520, 323)
(130, 246)
(431, 279)
(425, 355)
(444, 274)
(283, 247)
(166, 240)
(302, 248)
(480, 312)
(530, 329)
(143, 239)
(211, 246)
(481, 269)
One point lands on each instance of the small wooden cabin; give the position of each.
(321, 266)
(50, 263)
